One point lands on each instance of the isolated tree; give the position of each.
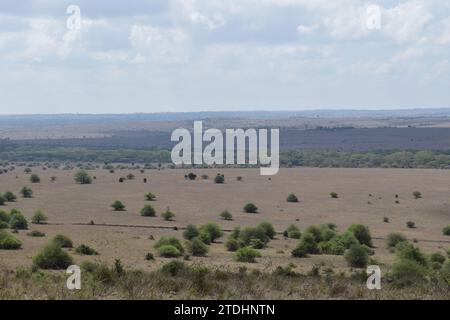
(118, 206)
(250, 208)
(39, 217)
(148, 211)
(82, 177)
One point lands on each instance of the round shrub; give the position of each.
(118, 206)
(168, 215)
(292, 198)
(250, 208)
(197, 248)
(225, 215)
(173, 268)
(63, 241)
(82, 177)
(9, 196)
(191, 232)
(85, 250)
(220, 178)
(437, 257)
(168, 251)
(308, 244)
(34, 178)
(18, 221)
(170, 241)
(357, 256)
(150, 197)
(148, 211)
(299, 252)
(333, 247)
(361, 233)
(26, 192)
(268, 228)
(407, 272)
(4, 216)
(417, 195)
(446, 231)
(9, 242)
(411, 224)
(213, 230)
(406, 251)
(395, 238)
(205, 237)
(232, 244)
(39, 217)
(334, 195)
(293, 232)
(247, 235)
(3, 225)
(149, 256)
(52, 257)
(246, 254)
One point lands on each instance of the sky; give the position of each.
(114, 56)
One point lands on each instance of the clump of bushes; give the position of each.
(197, 247)
(118, 206)
(246, 254)
(191, 232)
(63, 241)
(148, 211)
(169, 247)
(168, 251)
(150, 197)
(39, 217)
(292, 232)
(292, 198)
(85, 250)
(52, 257)
(254, 237)
(213, 230)
(173, 268)
(250, 208)
(361, 233)
(226, 215)
(9, 196)
(82, 177)
(9, 242)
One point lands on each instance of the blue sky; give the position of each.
(198, 55)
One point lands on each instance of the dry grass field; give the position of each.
(366, 196)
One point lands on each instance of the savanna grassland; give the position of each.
(381, 199)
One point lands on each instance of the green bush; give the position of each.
(308, 244)
(357, 256)
(4, 216)
(205, 237)
(446, 231)
(148, 211)
(39, 217)
(361, 233)
(3, 225)
(268, 228)
(9, 196)
(213, 229)
(407, 272)
(36, 233)
(85, 250)
(406, 251)
(437, 257)
(168, 215)
(348, 239)
(52, 257)
(82, 177)
(299, 252)
(248, 234)
(26, 192)
(17, 220)
(2, 200)
(246, 254)
(150, 197)
(232, 244)
(225, 215)
(250, 208)
(220, 178)
(170, 241)
(197, 248)
(118, 206)
(191, 232)
(395, 238)
(9, 242)
(334, 195)
(445, 272)
(63, 241)
(333, 247)
(411, 224)
(173, 268)
(292, 198)
(293, 232)
(34, 178)
(168, 251)
(417, 195)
